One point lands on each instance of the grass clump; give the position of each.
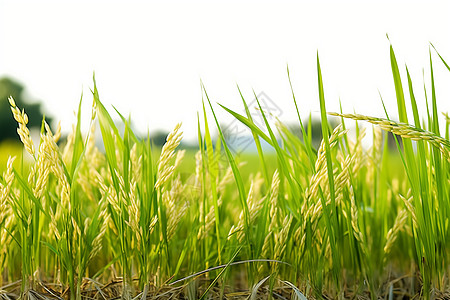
(339, 221)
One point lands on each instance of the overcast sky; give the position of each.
(149, 57)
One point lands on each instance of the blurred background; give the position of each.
(149, 57)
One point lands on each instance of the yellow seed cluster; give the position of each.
(405, 131)
(43, 166)
(165, 170)
(136, 164)
(356, 232)
(68, 148)
(281, 237)
(273, 214)
(6, 215)
(198, 169)
(8, 176)
(320, 177)
(52, 157)
(22, 118)
(392, 234)
(410, 207)
(311, 209)
(134, 211)
(254, 207)
(133, 196)
(175, 208)
(97, 242)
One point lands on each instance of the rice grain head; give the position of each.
(226, 179)
(136, 164)
(57, 134)
(273, 215)
(320, 178)
(392, 234)
(175, 210)
(281, 238)
(5, 191)
(354, 211)
(97, 242)
(167, 153)
(410, 208)
(133, 209)
(41, 169)
(405, 131)
(377, 146)
(68, 147)
(52, 158)
(254, 207)
(22, 119)
(53, 225)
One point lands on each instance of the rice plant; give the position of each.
(341, 220)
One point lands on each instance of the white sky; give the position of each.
(149, 57)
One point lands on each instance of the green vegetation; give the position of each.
(339, 221)
(11, 88)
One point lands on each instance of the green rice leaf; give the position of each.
(249, 124)
(236, 173)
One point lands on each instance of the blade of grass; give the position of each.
(307, 141)
(257, 141)
(220, 273)
(281, 157)
(236, 173)
(331, 214)
(213, 170)
(442, 59)
(249, 124)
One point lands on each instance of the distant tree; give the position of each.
(392, 144)
(159, 138)
(316, 129)
(10, 87)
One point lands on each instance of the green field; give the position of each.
(342, 221)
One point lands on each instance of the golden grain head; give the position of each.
(11, 101)
(405, 131)
(392, 234)
(410, 208)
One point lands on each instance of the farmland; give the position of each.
(337, 221)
